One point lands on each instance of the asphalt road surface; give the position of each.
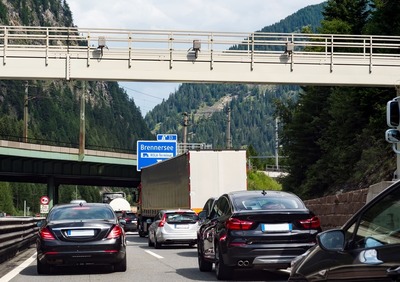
(171, 263)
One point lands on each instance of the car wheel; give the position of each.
(222, 271)
(157, 244)
(191, 245)
(150, 243)
(204, 266)
(121, 266)
(42, 268)
(142, 234)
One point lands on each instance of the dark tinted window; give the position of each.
(222, 207)
(181, 217)
(81, 213)
(131, 216)
(380, 224)
(252, 202)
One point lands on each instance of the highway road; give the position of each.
(171, 263)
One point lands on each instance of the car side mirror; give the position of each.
(331, 240)
(149, 221)
(122, 221)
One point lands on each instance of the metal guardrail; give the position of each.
(184, 147)
(16, 234)
(171, 45)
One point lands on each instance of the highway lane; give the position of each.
(171, 263)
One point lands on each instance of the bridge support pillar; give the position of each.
(52, 192)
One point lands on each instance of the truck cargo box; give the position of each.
(188, 180)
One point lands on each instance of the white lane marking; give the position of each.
(151, 253)
(18, 269)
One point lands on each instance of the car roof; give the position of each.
(177, 210)
(81, 204)
(274, 193)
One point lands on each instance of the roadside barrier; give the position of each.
(16, 234)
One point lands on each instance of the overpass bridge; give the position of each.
(196, 56)
(55, 165)
(71, 53)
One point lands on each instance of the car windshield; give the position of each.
(130, 215)
(81, 213)
(267, 203)
(181, 217)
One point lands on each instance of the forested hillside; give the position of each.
(112, 119)
(332, 137)
(252, 107)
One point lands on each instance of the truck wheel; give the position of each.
(204, 266)
(222, 271)
(142, 234)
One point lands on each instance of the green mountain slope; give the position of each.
(252, 106)
(112, 118)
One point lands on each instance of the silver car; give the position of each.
(173, 227)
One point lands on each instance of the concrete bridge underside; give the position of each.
(55, 166)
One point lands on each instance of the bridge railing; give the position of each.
(155, 45)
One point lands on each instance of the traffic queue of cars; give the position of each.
(238, 230)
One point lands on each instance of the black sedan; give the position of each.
(80, 234)
(255, 229)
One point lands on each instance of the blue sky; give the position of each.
(203, 15)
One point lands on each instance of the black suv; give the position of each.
(255, 229)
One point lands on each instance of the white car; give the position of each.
(173, 227)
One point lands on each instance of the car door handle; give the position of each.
(393, 272)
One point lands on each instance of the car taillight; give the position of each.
(45, 234)
(115, 233)
(162, 221)
(311, 223)
(237, 224)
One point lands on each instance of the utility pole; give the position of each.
(276, 144)
(25, 131)
(82, 129)
(185, 125)
(228, 129)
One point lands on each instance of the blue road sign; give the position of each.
(167, 137)
(151, 152)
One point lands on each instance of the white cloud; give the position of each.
(199, 15)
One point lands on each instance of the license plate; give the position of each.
(78, 233)
(181, 226)
(276, 227)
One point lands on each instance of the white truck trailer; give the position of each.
(187, 181)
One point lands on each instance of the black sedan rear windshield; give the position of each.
(81, 213)
(181, 217)
(268, 203)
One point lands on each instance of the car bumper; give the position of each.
(170, 238)
(130, 227)
(73, 258)
(54, 254)
(250, 256)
